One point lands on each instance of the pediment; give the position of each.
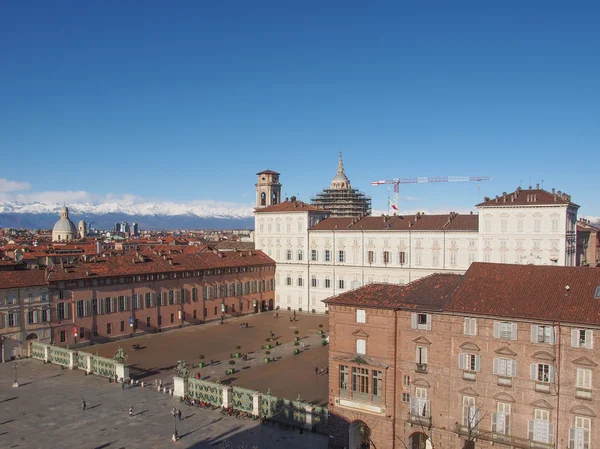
(360, 333)
(505, 350)
(543, 355)
(421, 383)
(504, 397)
(420, 340)
(470, 346)
(583, 410)
(468, 392)
(541, 404)
(584, 361)
(361, 360)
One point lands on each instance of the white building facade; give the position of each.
(319, 256)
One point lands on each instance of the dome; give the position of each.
(64, 225)
(64, 229)
(340, 181)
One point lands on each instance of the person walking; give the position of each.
(83, 404)
(174, 411)
(179, 415)
(294, 315)
(130, 411)
(316, 370)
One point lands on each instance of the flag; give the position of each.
(392, 205)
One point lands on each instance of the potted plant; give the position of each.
(296, 351)
(267, 352)
(268, 347)
(323, 336)
(321, 329)
(296, 332)
(296, 343)
(201, 364)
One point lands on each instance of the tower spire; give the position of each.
(340, 169)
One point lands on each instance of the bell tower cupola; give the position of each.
(268, 189)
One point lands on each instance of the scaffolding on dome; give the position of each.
(343, 202)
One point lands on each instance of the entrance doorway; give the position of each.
(30, 339)
(263, 306)
(419, 440)
(270, 304)
(359, 436)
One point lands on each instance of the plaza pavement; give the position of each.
(45, 412)
(289, 376)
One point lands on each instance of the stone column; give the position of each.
(180, 386)
(309, 421)
(72, 359)
(122, 371)
(227, 396)
(256, 398)
(46, 354)
(88, 364)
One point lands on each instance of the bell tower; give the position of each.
(268, 189)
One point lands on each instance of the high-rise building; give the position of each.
(135, 230)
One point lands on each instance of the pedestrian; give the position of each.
(211, 362)
(222, 319)
(290, 319)
(274, 316)
(130, 411)
(174, 411)
(277, 315)
(272, 334)
(179, 414)
(316, 370)
(294, 315)
(123, 384)
(83, 404)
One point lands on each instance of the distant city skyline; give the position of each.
(150, 103)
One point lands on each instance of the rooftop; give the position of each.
(528, 197)
(288, 206)
(418, 222)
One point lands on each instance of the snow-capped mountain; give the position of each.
(163, 215)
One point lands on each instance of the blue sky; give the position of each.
(183, 101)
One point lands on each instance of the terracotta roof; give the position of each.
(267, 172)
(428, 293)
(289, 206)
(232, 245)
(421, 222)
(21, 278)
(165, 262)
(529, 197)
(530, 292)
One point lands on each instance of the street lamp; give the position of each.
(15, 382)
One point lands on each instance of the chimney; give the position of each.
(471, 213)
(553, 191)
(537, 186)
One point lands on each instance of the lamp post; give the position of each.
(175, 435)
(15, 382)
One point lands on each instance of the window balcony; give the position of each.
(508, 440)
(504, 381)
(542, 387)
(421, 368)
(469, 375)
(420, 412)
(583, 393)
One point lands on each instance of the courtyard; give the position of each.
(45, 411)
(287, 376)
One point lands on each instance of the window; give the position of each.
(405, 397)
(172, 318)
(501, 419)
(95, 330)
(122, 326)
(314, 282)
(371, 256)
(313, 255)
(377, 382)
(421, 321)
(542, 372)
(453, 258)
(468, 362)
(361, 346)
(401, 257)
(537, 225)
(108, 328)
(148, 324)
(470, 326)
(122, 301)
(159, 320)
(542, 334)
(419, 404)
(435, 258)
(470, 413)
(327, 283)
(505, 367)
(61, 311)
(540, 428)
(63, 336)
(46, 316)
(579, 436)
(327, 255)
(80, 311)
(505, 330)
(360, 381)
(81, 332)
(288, 280)
(300, 282)
(288, 254)
(32, 317)
(194, 294)
(361, 316)
(520, 224)
(584, 378)
(341, 284)
(405, 380)
(386, 257)
(421, 355)
(503, 225)
(344, 377)
(419, 257)
(300, 254)
(582, 338)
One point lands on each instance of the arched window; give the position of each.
(263, 199)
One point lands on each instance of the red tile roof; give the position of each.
(124, 265)
(530, 197)
(428, 293)
(530, 292)
(22, 278)
(421, 222)
(289, 206)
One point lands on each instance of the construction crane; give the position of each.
(397, 181)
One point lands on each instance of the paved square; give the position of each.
(45, 412)
(291, 375)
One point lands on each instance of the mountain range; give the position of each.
(149, 216)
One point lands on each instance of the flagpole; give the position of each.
(388, 201)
